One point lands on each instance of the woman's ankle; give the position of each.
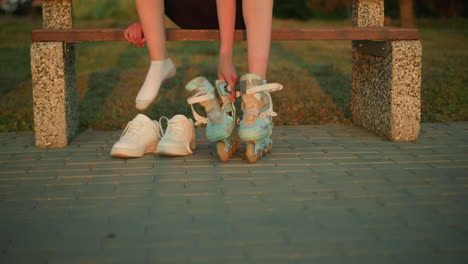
(159, 55)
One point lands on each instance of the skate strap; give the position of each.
(199, 119)
(269, 87)
(198, 98)
(246, 83)
(255, 86)
(270, 111)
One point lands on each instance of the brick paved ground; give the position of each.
(328, 194)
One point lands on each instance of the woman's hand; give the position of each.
(227, 72)
(134, 34)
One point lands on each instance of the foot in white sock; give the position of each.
(159, 71)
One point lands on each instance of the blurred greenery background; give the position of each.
(316, 74)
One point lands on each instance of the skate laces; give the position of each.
(266, 88)
(132, 128)
(251, 107)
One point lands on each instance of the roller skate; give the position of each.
(220, 118)
(256, 126)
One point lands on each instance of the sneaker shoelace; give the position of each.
(132, 128)
(174, 126)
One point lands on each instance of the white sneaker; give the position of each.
(179, 138)
(141, 136)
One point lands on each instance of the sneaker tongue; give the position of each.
(178, 117)
(142, 118)
(176, 125)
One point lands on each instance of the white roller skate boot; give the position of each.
(220, 119)
(256, 126)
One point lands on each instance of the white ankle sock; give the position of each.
(157, 73)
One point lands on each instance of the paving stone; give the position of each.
(339, 196)
(431, 257)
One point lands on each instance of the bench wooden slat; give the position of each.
(317, 33)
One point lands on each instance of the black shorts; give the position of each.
(198, 14)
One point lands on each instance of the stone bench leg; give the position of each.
(54, 80)
(54, 93)
(386, 91)
(385, 86)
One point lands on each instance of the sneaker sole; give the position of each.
(131, 153)
(173, 151)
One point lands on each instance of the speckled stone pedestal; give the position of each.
(368, 13)
(57, 14)
(54, 80)
(54, 93)
(386, 90)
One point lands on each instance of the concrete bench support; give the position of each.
(54, 80)
(386, 88)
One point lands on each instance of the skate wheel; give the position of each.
(236, 146)
(235, 142)
(250, 152)
(269, 149)
(222, 153)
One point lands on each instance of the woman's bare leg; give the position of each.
(151, 13)
(258, 18)
(227, 18)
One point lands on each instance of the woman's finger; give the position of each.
(138, 36)
(129, 33)
(232, 86)
(142, 36)
(134, 35)
(232, 83)
(126, 34)
(233, 95)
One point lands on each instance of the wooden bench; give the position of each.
(36, 3)
(386, 74)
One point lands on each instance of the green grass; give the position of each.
(124, 10)
(445, 71)
(316, 75)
